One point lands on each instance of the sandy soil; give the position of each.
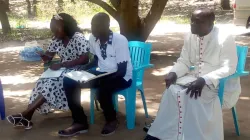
(18, 79)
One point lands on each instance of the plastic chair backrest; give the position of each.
(140, 55)
(242, 55)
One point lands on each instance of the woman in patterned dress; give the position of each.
(72, 47)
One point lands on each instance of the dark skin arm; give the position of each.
(47, 56)
(83, 59)
(121, 71)
(195, 88)
(170, 79)
(92, 64)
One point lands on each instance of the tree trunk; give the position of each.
(7, 2)
(129, 21)
(225, 4)
(4, 17)
(29, 8)
(60, 5)
(126, 13)
(34, 8)
(4, 21)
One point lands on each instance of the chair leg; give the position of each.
(130, 109)
(2, 104)
(96, 104)
(144, 102)
(236, 125)
(115, 102)
(92, 107)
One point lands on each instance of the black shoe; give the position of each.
(73, 130)
(147, 126)
(148, 137)
(109, 128)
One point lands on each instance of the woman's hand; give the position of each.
(46, 57)
(55, 66)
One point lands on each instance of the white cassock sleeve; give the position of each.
(183, 64)
(228, 62)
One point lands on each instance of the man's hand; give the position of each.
(195, 88)
(170, 79)
(55, 66)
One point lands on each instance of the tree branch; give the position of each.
(106, 7)
(153, 16)
(116, 4)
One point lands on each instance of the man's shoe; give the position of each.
(109, 128)
(148, 137)
(73, 130)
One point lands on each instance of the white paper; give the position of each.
(83, 76)
(79, 75)
(52, 73)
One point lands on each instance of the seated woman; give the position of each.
(72, 47)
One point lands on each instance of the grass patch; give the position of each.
(26, 34)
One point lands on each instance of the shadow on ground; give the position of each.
(166, 49)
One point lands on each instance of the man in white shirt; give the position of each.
(190, 108)
(111, 54)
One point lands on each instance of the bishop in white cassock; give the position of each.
(190, 108)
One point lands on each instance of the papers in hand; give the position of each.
(186, 80)
(84, 76)
(52, 73)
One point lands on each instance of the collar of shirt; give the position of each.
(207, 37)
(109, 41)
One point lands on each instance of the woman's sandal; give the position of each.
(12, 119)
(26, 126)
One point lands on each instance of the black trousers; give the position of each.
(105, 90)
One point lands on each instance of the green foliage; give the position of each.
(81, 9)
(26, 34)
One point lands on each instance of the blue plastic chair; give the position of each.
(2, 105)
(140, 58)
(242, 55)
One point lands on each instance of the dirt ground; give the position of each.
(19, 77)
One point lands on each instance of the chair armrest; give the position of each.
(143, 67)
(237, 74)
(223, 81)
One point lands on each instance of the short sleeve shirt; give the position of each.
(76, 47)
(115, 51)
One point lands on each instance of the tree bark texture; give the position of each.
(4, 17)
(29, 8)
(126, 13)
(225, 4)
